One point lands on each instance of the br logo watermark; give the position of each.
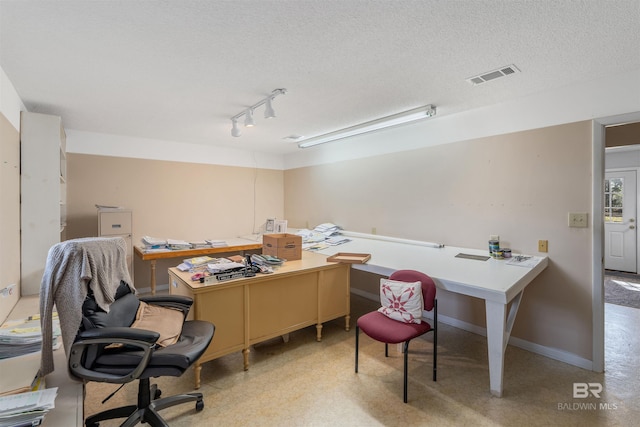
(585, 391)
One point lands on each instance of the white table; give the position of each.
(493, 280)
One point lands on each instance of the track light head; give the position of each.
(235, 131)
(268, 109)
(248, 119)
(248, 113)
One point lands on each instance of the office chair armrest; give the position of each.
(173, 301)
(120, 333)
(138, 338)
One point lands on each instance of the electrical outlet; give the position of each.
(543, 246)
(578, 219)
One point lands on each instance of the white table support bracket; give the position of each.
(499, 326)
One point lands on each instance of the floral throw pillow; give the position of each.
(401, 301)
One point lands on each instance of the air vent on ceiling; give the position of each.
(491, 75)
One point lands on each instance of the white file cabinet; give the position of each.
(118, 222)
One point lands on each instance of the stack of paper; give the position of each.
(26, 408)
(322, 236)
(178, 244)
(153, 243)
(217, 243)
(23, 336)
(310, 236)
(226, 266)
(524, 261)
(199, 244)
(337, 240)
(198, 261)
(328, 229)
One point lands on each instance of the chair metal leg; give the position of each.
(405, 350)
(435, 336)
(109, 414)
(357, 339)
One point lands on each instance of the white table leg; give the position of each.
(498, 331)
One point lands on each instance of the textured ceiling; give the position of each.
(178, 70)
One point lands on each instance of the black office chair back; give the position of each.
(122, 313)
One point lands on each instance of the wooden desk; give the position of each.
(493, 280)
(247, 311)
(235, 246)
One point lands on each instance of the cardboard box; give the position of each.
(285, 246)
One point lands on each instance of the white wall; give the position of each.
(10, 102)
(81, 142)
(622, 157)
(10, 106)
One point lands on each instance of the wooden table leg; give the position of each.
(153, 277)
(245, 353)
(319, 332)
(196, 370)
(347, 319)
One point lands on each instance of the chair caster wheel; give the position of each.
(199, 405)
(157, 394)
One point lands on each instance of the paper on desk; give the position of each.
(225, 266)
(524, 261)
(31, 419)
(337, 240)
(29, 401)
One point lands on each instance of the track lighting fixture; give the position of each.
(234, 129)
(248, 119)
(396, 119)
(248, 113)
(269, 113)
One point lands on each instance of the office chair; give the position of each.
(388, 330)
(120, 337)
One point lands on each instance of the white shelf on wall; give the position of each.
(43, 193)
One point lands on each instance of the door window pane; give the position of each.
(613, 199)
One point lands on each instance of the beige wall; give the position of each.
(9, 214)
(520, 186)
(171, 200)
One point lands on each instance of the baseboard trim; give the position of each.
(159, 288)
(552, 353)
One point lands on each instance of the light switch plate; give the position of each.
(578, 219)
(543, 246)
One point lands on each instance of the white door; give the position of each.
(620, 221)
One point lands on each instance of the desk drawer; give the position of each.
(114, 223)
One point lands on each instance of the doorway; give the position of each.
(597, 261)
(620, 232)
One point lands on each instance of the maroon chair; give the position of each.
(384, 329)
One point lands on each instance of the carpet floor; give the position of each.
(622, 289)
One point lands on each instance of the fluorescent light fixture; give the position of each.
(419, 113)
